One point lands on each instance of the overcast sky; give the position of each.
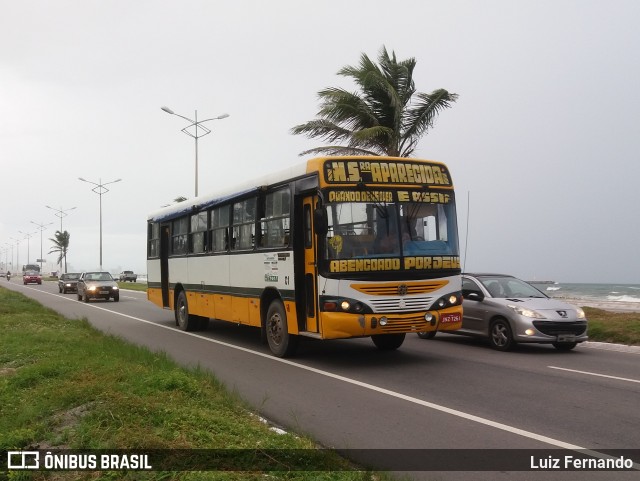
(544, 140)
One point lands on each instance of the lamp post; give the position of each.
(17, 252)
(199, 130)
(28, 236)
(10, 245)
(100, 189)
(60, 213)
(41, 227)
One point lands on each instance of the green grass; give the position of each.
(66, 385)
(618, 327)
(133, 286)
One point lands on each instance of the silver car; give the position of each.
(507, 310)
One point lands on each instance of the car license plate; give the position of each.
(104, 292)
(449, 318)
(566, 338)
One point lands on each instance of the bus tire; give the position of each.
(184, 320)
(281, 343)
(388, 342)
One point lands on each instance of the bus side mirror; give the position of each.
(320, 221)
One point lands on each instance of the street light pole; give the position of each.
(100, 189)
(60, 213)
(198, 131)
(10, 245)
(17, 252)
(41, 227)
(28, 237)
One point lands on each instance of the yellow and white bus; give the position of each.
(336, 247)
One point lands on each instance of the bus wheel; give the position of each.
(388, 342)
(427, 334)
(183, 320)
(281, 343)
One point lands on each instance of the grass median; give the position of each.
(617, 327)
(66, 385)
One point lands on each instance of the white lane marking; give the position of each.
(381, 390)
(595, 374)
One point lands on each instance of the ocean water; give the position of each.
(622, 295)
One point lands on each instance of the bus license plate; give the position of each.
(566, 338)
(449, 318)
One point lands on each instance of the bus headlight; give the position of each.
(383, 321)
(450, 300)
(340, 304)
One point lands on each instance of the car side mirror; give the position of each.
(474, 296)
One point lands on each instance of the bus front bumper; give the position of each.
(339, 325)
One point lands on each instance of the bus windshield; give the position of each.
(402, 231)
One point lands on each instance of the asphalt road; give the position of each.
(450, 393)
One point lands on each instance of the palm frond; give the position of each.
(385, 115)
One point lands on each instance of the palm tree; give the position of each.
(387, 116)
(61, 246)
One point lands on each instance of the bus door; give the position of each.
(310, 264)
(164, 264)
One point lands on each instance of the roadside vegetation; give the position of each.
(133, 286)
(66, 385)
(618, 327)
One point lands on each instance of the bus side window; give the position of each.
(220, 229)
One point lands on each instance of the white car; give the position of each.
(506, 311)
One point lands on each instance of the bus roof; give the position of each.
(298, 170)
(174, 211)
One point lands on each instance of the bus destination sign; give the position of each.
(386, 172)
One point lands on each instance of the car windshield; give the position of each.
(99, 276)
(70, 277)
(506, 287)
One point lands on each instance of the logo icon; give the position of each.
(402, 290)
(23, 460)
(563, 314)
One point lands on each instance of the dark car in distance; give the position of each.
(31, 277)
(97, 285)
(68, 282)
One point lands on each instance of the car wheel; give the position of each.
(500, 335)
(281, 343)
(86, 297)
(427, 334)
(116, 298)
(388, 342)
(564, 346)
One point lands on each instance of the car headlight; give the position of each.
(523, 311)
(115, 288)
(580, 313)
(91, 288)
